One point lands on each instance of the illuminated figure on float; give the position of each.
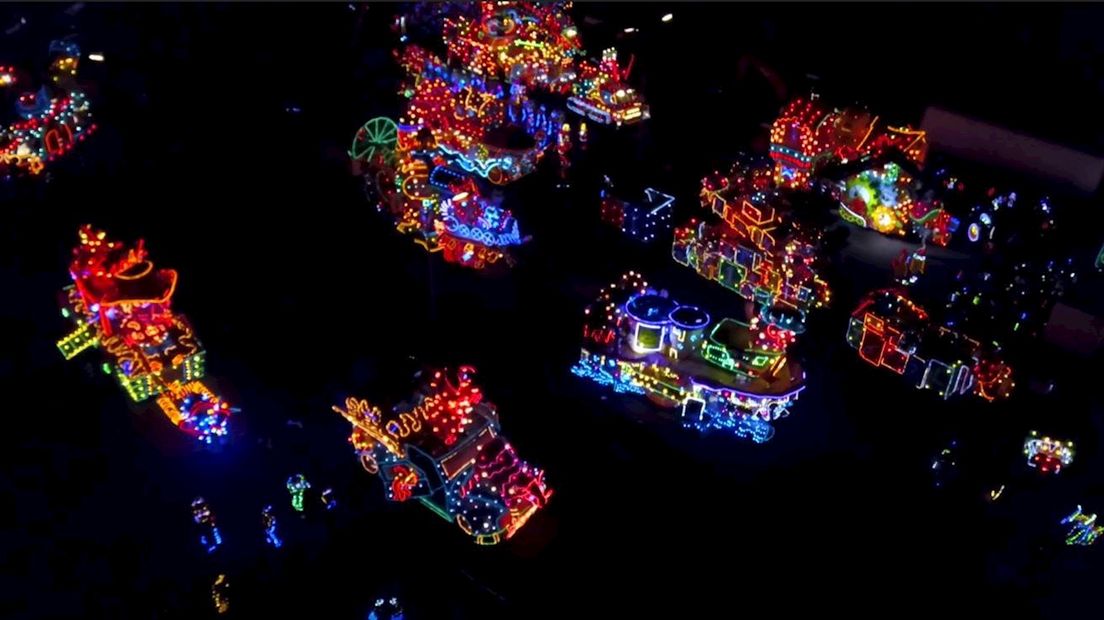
(726, 374)
(443, 449)
(122, 304)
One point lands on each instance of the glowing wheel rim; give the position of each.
(369, 463)
(498, 176)
(416, 188)
(376, 139)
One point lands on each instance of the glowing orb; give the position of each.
(973, 232)
(884, 220)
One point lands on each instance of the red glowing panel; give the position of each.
(403, 482)
(871, 347)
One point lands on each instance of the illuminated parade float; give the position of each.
(470, 119)
(122, 304)
(528, 43)
(481, 125)
(725, 374)
(537, 46)
(443, 448)
(889, 330)
(757, 250)
(870, 167)
(424, 172)
(51, 120)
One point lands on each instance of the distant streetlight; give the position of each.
(630, 30)
(666, 18)
(96, 57)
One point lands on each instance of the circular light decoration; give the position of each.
(203, 414)
(883, 220)
(973, 232)
(377, 138)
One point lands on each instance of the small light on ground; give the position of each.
(630, 30)
(96, 57)
(666, 18)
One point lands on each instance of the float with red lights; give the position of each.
(758, 249)
(478, 124)
(890, 331)
(871, 167)
(443, 207)
(121, 303)
(530, 43)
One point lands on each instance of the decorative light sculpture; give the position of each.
(890, 331)
(1046, 454)
(444, 450)
(120, 302)
(1083, 528)
(727, 374)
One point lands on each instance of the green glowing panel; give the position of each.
(731, 274)
(648, 338)
(80, 339)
